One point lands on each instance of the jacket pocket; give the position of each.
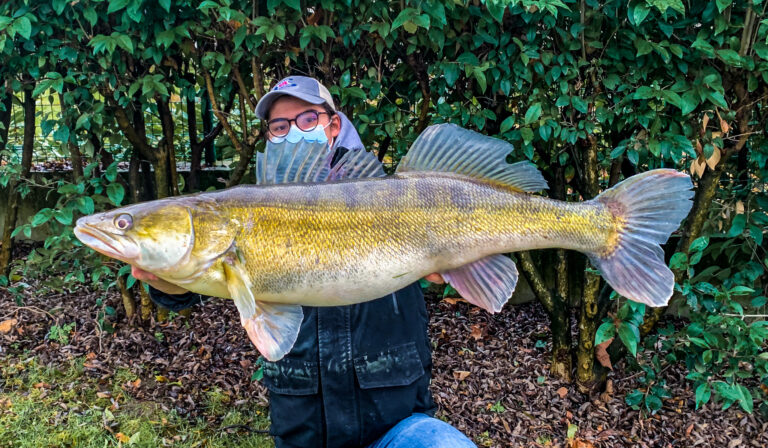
(397, 366)
(291, 377)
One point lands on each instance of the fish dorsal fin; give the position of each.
(304, 162)
(286, 162)
(452, 149)
(488, 282)
(357, 164)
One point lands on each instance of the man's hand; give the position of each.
(155, 282)
(434, 278)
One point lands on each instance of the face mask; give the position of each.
(295, 135)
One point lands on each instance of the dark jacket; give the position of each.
(354, 372)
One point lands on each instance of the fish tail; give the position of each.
(648, 207)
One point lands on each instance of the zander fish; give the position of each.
(309, 234)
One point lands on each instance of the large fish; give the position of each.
(309, 234)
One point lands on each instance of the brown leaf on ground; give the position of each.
(7, 325)
(454, 300)
(477, 332)
(602, 354)
(563, 391)
(122, 438)
(460, 375)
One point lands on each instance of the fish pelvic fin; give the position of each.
(272, 328)
(451, 149)
(651, 206)
(488, 282)
(306, 162)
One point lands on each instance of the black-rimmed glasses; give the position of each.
(306, 121)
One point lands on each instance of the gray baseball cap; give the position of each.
(301, 87)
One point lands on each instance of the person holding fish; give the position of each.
(357, 375)
(321, 257)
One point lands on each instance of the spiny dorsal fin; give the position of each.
(357, 164)
(450, 148)
(304, 162)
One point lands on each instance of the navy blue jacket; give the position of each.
(354, 372)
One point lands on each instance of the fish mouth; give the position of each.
(105, 242)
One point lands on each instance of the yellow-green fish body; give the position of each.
(310, 234)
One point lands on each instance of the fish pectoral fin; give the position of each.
(488, 282)
(272, 328)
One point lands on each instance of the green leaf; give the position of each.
(744, 397)
(663, 5)
(718, 99)
(117, 5)
(640, 12)
(533, 113)
(737, 226)
(166, 4)
(90, 15)
(58, 6)
(689, 102)
(64, 216)
(23, 26)
(579, 104)
(606, 331)
(644, 93)
(527, 135)
(116, 193)
(634, 398)
(699, 244)
(507, 124)
(703, 393)
(643, 47)
(630, 336)
(722, 4)
(730, 57)
(42, 217)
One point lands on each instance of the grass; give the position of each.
(49, 407)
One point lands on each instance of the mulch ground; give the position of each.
(491, 377)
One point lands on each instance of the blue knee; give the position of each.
(422, 431)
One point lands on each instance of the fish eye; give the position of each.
(124, 221)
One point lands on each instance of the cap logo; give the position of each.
(284, 84)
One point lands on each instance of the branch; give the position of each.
(216, 111)
(240, 84)
(536, 281)
(130, 133)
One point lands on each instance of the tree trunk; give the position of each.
(134, 183)
(6, 249)
(558, 314)
(210, 149)
(196, 148)
(166, 146)
(586, 377)
(5, 119)
(74, 152)
(146, 303)
(127, 295)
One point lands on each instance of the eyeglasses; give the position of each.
(306, 121)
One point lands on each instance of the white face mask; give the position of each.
(295, 135)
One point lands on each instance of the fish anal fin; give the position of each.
(272, 328)
(488, 282)
(449, 148)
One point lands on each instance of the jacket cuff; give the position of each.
(174, 302)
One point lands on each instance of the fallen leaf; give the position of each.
(602, 354)
(562, 392)
(161, 379)
(688, 430)
(460, 374)
(7, 325)
(477, 332)
(42, 385)
(103, 394)
(454, 301)
(122, 438)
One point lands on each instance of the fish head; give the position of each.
(157, 236)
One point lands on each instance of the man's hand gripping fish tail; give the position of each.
(313, 235)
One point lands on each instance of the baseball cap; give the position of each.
(301, 87)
